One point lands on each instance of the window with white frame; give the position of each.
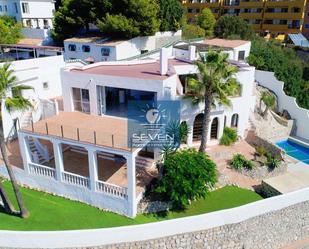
(25, 8)
(105, 51)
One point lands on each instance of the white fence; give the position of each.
(111, 189)
(41, 170)
(285, 102)
(75, 179)
(107, 236)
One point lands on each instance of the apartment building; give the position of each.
(84, 153)
(275, 17)
(36, 14)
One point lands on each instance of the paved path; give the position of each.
(300, 244)
(297, 177)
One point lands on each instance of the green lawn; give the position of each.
(55, 213)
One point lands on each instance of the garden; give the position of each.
(49, 212)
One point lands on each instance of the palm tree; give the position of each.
(213, 84)
(8, 83)
(269, 101)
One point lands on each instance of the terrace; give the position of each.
(88, 152)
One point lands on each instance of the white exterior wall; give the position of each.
(246, 47)
(90, 81)
(33, 73)
(239, 105)
(285, 102)
(38, 9)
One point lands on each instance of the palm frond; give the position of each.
(17, 103)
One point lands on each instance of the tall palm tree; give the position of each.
(8, 85)
(213, 84)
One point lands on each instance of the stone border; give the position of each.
(270, 210)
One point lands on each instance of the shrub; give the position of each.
(240, 162)
(273, 162)
(186, 175)
(229, 136)
(261, 151)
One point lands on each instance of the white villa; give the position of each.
(82, 152)
(36, 14)
(97, 49)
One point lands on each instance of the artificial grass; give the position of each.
(48, 212)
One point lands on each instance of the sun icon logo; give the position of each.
(153, 114)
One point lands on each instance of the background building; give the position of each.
(269, 16)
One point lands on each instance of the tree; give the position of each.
(75, 15)
(212, 85)
(269, 101)
(233, 27)
(171, 15)
(287, 66)
(131, 18)
(10, 30)
(191, 31)
(8, 83)
(186, 175)
(206, 20)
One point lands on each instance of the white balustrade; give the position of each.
(111, 189)
(41, 170)
(74, 179)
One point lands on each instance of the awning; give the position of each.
(299, 40)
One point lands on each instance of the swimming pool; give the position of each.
(295, 149)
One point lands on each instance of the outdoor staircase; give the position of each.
(39, 152)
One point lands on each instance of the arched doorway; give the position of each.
(234, 121)
(198, 127)
(214, 128)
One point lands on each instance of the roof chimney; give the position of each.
(163, 61)
(192, 52)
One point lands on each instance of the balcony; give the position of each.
(283, 15)
(296, 3)
(202, 5)
(251, 4)
(251, 15)
(275, 27)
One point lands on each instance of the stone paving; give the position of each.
(223, 154)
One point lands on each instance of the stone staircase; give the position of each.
(39, 152)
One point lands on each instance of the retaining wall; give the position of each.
(285, 102)
(270, 223)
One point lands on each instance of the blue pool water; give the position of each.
(293, 149)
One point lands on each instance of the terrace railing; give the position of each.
(74, 179)
(42, 170)
(80, 134)
(111, 189)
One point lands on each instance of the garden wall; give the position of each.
(267, 224)
(285, 102)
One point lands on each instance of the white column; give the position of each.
(93, 98)
(131, 175)
(221, 126)
(93, 168)
(190, 133)
(58, 155)
(24, 150)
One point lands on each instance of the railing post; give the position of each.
(61, 131)
(46, 126)
(95, 137)
(77, 130)
(32, 125)
(113, 140)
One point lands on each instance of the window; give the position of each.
(241, 55)
(0, 8)
(5, 8)
(72, 47)
(25, 7)
(234, 122)
(81, 100)
(307, 26)
(45, 85)
(105, 51)
(16, 7)
(86, 48)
